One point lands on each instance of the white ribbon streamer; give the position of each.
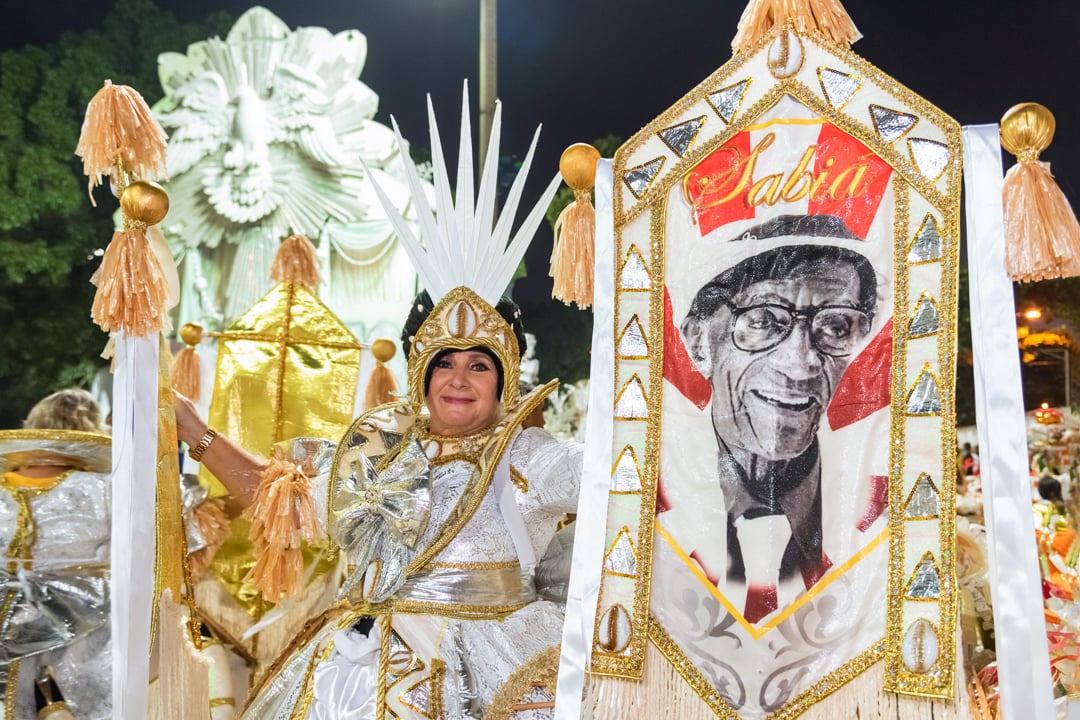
(134, 481)
(1022, 652)
(584, 588)
(515, 524)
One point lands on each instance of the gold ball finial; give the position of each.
(191, 334)
(1027, 129)
(578, 165)
(144, 201)
(383, 349)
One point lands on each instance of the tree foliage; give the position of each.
(49, 232)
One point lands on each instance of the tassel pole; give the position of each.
(1042, 236)
(186, 373)
(381, 386)
(572, 257)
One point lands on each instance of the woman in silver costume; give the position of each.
(443, 505)
(54, 587)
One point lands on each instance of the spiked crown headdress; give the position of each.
(465, 258)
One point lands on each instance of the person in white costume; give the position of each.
(443, 504)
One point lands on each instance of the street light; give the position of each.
(1037, 338)
(489, 71)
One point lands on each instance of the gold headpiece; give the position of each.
(459, 321)
(466, 259)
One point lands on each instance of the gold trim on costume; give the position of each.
(542, 668)
(520, 481)
(11, 681)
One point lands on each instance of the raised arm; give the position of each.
(237, 469)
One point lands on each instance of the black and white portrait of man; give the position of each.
(773, 334)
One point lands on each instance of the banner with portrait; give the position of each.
(779, 517)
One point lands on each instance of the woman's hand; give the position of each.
(190, 427)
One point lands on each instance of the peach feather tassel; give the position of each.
(572, 259)
(1042, 235)
(295, 262)
(573, 254)
(131, 287)
(186, 370)
(119, 128)
(283, 515)
(827, 17)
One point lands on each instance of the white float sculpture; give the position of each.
(270, 130)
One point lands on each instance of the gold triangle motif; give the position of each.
(929, 156)
(640, 177)
(926, 247)
(925, 582)
(418, 697)
(625, 477)
(621, 558)
(838, 87)
(634, 275)
(891, 124)
(632, 403)
(727, 100)
(632, 343)
(925, 320)
(925, 395)
(680, 137)
(924, 502)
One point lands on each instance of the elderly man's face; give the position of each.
(769, 402)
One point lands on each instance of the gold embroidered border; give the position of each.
(894, 614)
(460, 611)
(829, 684)
(939, 681)
(480, 565)
(11, 681)
(542, 668)
(438, 678)
(923, 108)
(631, 663)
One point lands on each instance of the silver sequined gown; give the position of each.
(436, 654)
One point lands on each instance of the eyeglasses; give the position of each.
(834, 329)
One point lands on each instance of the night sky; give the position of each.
(586, 68)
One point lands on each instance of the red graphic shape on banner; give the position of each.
(866, 386)
(713, 187)
(811, 573)
(849, 180)
(679, 369)
(876, 504)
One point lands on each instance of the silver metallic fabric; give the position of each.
(313, 455)
(52, 608)
(192, 494)
(380, 517)
(487, 587)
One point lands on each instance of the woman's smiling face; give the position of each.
(462, 395)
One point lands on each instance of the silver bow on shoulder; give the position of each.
(378, 518)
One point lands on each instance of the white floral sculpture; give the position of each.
(269, 130)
